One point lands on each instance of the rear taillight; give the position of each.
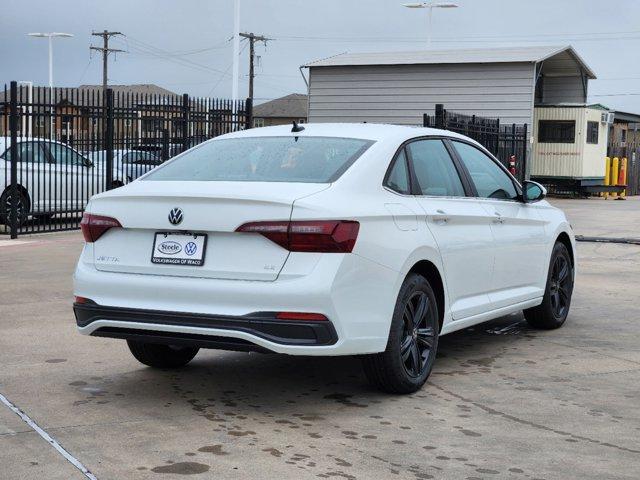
(326, 236)
(94, 226)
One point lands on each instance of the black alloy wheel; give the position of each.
(6, 208)
(560, 286)
(407, 361)
(556, 302)
(418, 334)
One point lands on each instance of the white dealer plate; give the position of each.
(179, 248)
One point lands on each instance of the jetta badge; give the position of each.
(175, 216)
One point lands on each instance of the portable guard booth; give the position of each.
(570, 144)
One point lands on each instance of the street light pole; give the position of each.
(50, 37)
(236, 53)
(430, 7)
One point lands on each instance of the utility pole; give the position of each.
(106, 35)
(252, 40)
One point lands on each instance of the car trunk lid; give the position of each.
(215, 209)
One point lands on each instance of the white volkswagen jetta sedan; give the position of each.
(332, 239)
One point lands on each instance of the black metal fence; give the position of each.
(60, 146)
(503, 141)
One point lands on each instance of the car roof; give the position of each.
(367, 131)
(6, 141)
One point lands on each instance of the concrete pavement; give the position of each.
(504, 401)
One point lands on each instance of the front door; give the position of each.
(76, 179)
(520, 244)
(459, 224)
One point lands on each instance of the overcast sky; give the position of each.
(183, 45)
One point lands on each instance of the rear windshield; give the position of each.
(265, 159)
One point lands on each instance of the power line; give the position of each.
(106, 35)
(226, 71)
(633, 94)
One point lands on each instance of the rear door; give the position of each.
(459, 224)
(518, 230)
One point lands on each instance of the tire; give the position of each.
(554, 309)
(411, 349)
(5, 207)
(161, 356)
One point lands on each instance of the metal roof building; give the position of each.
(399, 87)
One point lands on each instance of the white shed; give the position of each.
(399, 87)
(516, 85)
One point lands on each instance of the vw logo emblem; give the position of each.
(175, 216)
(190, 248)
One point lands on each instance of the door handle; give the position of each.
(498, 218)
(440, 217)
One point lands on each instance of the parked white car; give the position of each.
(52, 178)
(352, 239)
(133, 163)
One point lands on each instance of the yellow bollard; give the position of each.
(623, 177)
(615, 164)
(607, 169)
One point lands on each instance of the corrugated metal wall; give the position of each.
(563, 90)
(401, 94)
(558, 159)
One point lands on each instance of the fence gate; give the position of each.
(503, 141)
(60, 146)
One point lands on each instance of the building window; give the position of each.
(258, 122)
(592, 132)
(151, 124)
(40, 121)
(556, 131)
(623, 136)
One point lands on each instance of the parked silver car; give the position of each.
(52, 178)
(133, 163)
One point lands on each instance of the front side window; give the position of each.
(490, 180)
(398, 178)
(592, 132)
(434, 170)
(265, 159)
(556, 131)
(151, 124)
(28, 152)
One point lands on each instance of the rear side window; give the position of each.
(265, 159)
(434, 170)
(398, 178)
(490, 180)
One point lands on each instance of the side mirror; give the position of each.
(533, 192)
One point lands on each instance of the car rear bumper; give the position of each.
(356, 295)
(179, 327)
